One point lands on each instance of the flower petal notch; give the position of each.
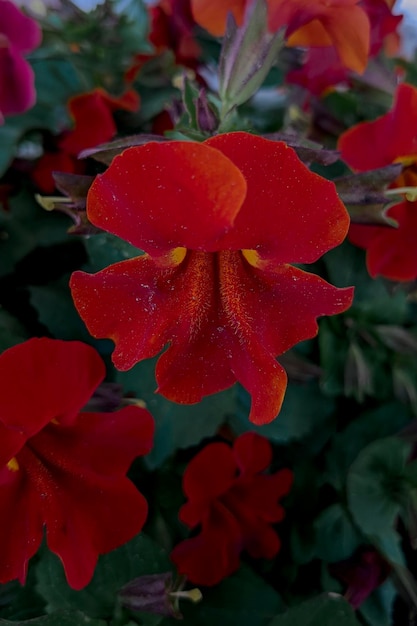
(235, 503)
(391, 252)
(63, 471)
(219, 221)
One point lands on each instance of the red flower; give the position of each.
(339, 23)
(235, 504)
(92, 114)
(362, 573)
(392, 138)
(220, 221)
(19, 34)
(62, 469)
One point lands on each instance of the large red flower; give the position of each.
(392, 138)
(235, 503)
(220, 221)
(60, 469)
(339, 23)
(19, 34)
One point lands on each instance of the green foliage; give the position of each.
(326, 610)
(99, 599)
(60, 618)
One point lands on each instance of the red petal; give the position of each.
(45, 379)
(392, 252)
(22, 31)
(21, 524)
(212, 15)
(189, 195)
(214, 553)
(277, 219)
(210, 473)
(378, 143)
(17, 91)
(253, 453)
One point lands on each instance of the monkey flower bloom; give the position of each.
(392, 138)
(220, 221)
(60, 469)
(235, 503)
(339, 23)
(18, 34)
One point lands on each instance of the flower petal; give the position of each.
(165, 195)
(21, 524)
(22, 31)
(214, 553)
(290, 214)
(212, 15)
(17, 91)
(253, 453)
(44, 379)
(374, 144)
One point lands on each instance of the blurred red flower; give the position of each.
(63, 470)
(323, 68)
(92, 115)
(220, 221)
(392, 138)
(234, 503)
(19, 34)
(340, 23)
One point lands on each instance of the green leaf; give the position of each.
(11, 331)
(377, 609)
(305, 410)
(105, 249)
(325, 610)
(136, 558)
(376, 486)
(244, 599)
(25, 227)
(60, 618)
(336, 536)
(382, 422)
(177, 425)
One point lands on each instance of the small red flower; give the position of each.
(19, 34)
(234, 503)
(220, 221)
(362, 574)
(392, 138)
(92, 114)
(60, 469)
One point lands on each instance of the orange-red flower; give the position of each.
(235, 503)
(392, 138)
(92, 114)
(339, 23)
(220, 221)
(63, 471)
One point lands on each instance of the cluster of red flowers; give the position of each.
(216, 289)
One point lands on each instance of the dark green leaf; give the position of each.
(336, 536)
(326, 610)
(136, 558)
(60, 618)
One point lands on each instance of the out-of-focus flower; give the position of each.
(235, 503)
(62, 470)
(392, 138)
(19, 34)
(92, 115)
(220, 222)
(323, 68)
(363, 573)
(342, 24)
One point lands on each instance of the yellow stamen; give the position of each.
(13, 465)
(172, 258)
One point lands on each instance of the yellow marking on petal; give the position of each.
(13, 465)
(172, 258)
(406, 160)
(253, 258)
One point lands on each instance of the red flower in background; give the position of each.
(19, 34)
(92, 114)
(220, 221)
(392, 138)
(323, 68)
(342, 24)
(60, 469)
(234, 503)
